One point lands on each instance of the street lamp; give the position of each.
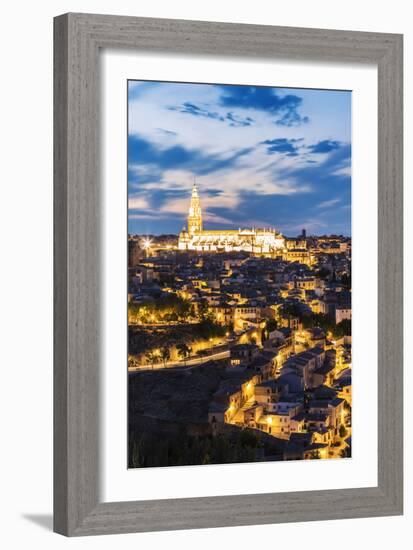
(146, 243)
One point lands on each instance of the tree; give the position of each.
(315, 455)
(183, 351)
(165, 355)
(202, 310)
(167, 308)
(151, 357)
(271, 324)
(323, 273)
(342, 329)
(346, 280)
(317, 320)
(291, 309)
(345, 453)
(342, 432)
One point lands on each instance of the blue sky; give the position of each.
(262, 157)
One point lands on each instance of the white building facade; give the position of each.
(256, 241)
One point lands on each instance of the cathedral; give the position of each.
(266, 242)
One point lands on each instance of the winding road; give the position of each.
(190, 362)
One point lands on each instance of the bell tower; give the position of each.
(195, 213)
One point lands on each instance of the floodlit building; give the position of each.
(257, 241)
(342, 313)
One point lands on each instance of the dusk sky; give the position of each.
(262, 157)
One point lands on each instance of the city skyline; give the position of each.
(262, 157)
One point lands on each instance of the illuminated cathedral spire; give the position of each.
(195, 213)
(257, 241)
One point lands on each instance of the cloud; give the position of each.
(213, 192)
(290, 148)
(137, 203)
(325, 146)
(284, 146)
(222, 195)
(236, 121)
(328, 203)
(291, 118)
(139, 174)
(318, 188)
(138, 88)
(332, 171)
(196, 110)
(275, 171)
(142, 152)
(166, 132)
(260, 98)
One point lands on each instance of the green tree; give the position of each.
(342, 329)
(152, 357)
(165, 355)
(166, 308)
(342, 432)
(184, 351)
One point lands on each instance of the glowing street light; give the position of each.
(146, 243)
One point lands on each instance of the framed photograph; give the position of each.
(228, 274)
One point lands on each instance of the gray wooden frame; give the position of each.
(78, 39)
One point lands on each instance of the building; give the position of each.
(300, 255)
(262, 241)
(278, 419)
(302, 446)
(342, 313)
(135, 252)
(242, 354)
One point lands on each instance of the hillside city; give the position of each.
(235, 356)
